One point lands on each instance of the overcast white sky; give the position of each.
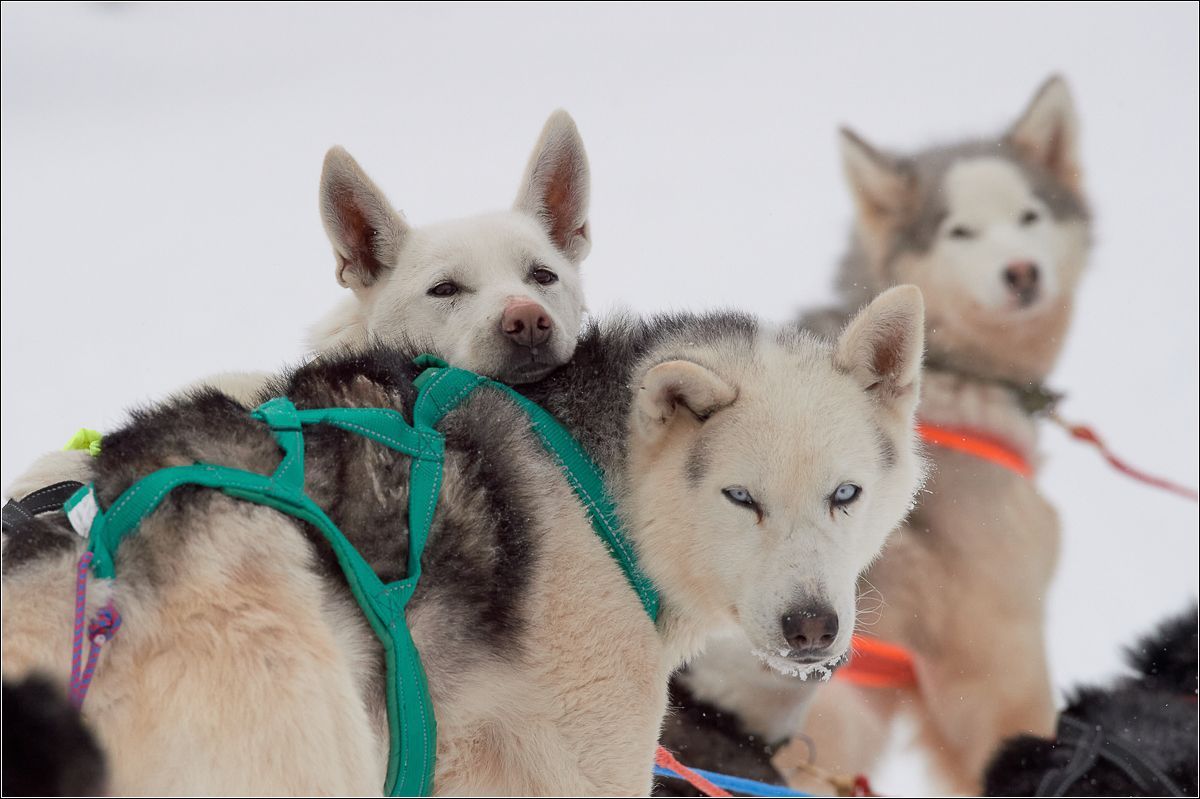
(160, 223)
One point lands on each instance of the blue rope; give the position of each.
(735, 784)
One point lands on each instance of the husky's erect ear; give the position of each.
(556, 186)
(365, 231)
(679, 391)
(1048, 132)
(883, 187)
(882, 346)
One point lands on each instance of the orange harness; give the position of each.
(876, 663)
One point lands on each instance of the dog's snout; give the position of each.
(526, 323)
(811, 629)
(1021, 278)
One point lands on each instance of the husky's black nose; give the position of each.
(810, 629)
(1021, 277)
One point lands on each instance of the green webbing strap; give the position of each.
(442, 387)
(411, 723)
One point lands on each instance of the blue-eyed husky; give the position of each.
(756, 472)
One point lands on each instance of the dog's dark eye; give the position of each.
(1029, 217)
(844, 494)
(961, 232)
(446, 288)
(543, 276)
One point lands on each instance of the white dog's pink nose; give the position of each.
(526, 323)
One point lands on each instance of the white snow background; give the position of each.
(160, 223)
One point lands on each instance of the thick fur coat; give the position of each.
(244, 666)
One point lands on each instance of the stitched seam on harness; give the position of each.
(16, 506)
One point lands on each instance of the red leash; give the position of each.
(878, 664)
(1088, 435)
(667, 760)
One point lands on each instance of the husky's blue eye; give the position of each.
(739, 496)
(446, 288)
(844, 494)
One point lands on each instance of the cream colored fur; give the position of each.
(235, 636)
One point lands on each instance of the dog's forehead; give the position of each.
(488, 244)
(985, 187)
(802, 418)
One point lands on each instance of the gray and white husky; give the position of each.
(995, 232)
(756, 472)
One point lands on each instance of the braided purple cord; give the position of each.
(81, 576)
(100, 630)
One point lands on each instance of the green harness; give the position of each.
(441, 388)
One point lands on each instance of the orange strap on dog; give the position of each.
(982, 447)
(878, 664)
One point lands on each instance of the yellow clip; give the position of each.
(85, 439)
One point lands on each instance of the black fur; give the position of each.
(47, 749)
(591, 394)
(41, 537)
(479, 556)
(1153, 715)
(703, 736)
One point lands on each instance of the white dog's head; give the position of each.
(499, 294)
(767, 471)
(994, 232)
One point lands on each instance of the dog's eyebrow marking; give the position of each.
(887, 449)
(696, 465)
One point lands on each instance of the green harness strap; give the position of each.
(411, 723)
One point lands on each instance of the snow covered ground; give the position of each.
(160, 169)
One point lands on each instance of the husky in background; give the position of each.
(244, 666)
(1136, 737)
(498, 294)
(995, 232)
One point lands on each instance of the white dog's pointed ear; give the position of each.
(1048, 132)
(881, 348)
(679, 391)
(883, 187)
(556, 185)
(365, 231)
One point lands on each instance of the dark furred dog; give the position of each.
(47, 749)
(1136, 738)
(705, 736)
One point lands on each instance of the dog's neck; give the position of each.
(592, 396)
(993, 407)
